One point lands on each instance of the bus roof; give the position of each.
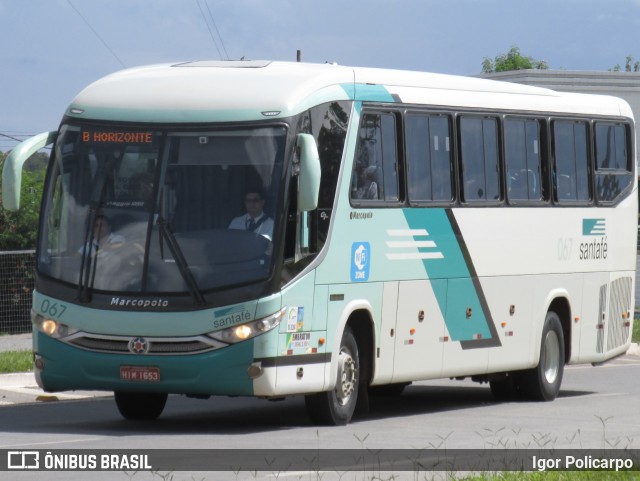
(209, 91)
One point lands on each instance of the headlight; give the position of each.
(242, 332)
(51, 327)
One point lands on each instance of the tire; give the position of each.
(542, 383)
(336, 407)
(140, 405)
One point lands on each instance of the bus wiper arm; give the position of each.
(181, 262)
(89, 258)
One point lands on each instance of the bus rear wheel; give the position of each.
(140, 405)
(336, 407)
(542, 383)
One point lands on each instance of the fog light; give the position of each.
(254, 371)
(38, 362)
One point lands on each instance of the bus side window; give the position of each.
(522, 158)
(571, 157)
(375, 174)
(479, 159)
(428, 158)
(306, 233)
(613, 163)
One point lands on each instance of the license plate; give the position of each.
(140, 373)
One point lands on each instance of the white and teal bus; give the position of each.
(422, 226)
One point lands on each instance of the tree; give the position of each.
(629, 65)
(512, 60)
(18, 230)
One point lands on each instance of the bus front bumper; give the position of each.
(62, 367)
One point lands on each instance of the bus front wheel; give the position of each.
(542, 383)
(336, 407)
(140, 405)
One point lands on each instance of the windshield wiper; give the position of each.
(165, 232)
(89, 254)
(89, 257)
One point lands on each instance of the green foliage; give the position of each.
(557, 476)
(512, 60)
(18, 230)
(16, 361)
(629, 65)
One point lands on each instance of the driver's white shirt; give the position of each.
(111, 240)
(265, 228)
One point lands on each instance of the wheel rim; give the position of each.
(346, 377)
(551, 357)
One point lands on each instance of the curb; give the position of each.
(24, 383)
(634, 349)
(18, 379)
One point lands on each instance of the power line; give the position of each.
(11, 137)
(217, 31)
(8, 141)
(209, 28)
(96, 34)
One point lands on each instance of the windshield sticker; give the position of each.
(295, 319)
(299, 340)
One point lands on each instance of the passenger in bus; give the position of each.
(103, 239)
(368, 188)
(255, 220)
(144, 187)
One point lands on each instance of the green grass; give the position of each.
(16, 361)
(635, 333)
(560, 476)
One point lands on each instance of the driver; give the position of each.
(255, 220)
(103, 239)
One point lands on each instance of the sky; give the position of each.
(52, 49)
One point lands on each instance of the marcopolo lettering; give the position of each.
(140, 303)
(354, 215)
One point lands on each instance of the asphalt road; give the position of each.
(597, 408)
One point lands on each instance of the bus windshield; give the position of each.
(145, 210)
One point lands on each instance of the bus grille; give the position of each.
(120, 345)
(615, 317)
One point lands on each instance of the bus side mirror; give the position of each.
(309, 173)
(12, 171)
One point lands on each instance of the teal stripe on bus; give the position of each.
(463, 290)
(368, 93)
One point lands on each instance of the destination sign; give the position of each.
(111, 137)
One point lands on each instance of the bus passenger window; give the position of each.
(428, 158)
(613, 166)
(522, 158)
(571, 174)
(375, 174)
(479, 151)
